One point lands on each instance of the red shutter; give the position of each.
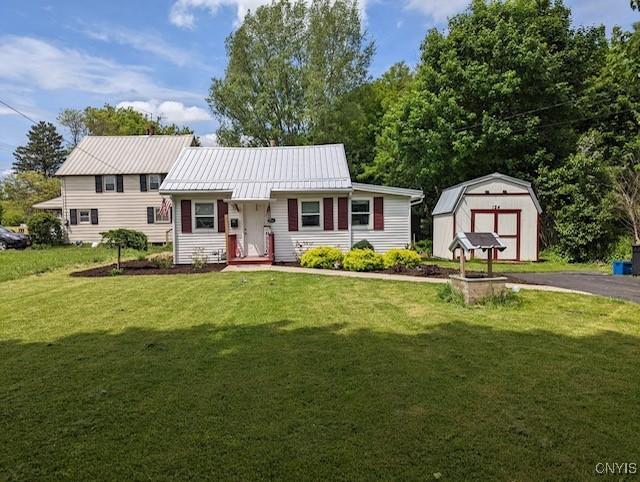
(328, 213)
(378, 213)
(185, 215)
(293, 214)
(343, 213)
(222, 212)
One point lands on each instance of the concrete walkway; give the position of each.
(383, 276)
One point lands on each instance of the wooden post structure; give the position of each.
(490, 262)
(226, 237)
(462, 260)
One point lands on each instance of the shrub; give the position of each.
(323, 258)
(116, 272)
(362, 260)
(45, 228)
(199, 259)
(123, 239)
(621, 249)
(399, 259)
(161, 260)
(363, 244)
(424, 246)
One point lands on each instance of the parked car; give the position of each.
(9, 239)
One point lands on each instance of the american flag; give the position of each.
(165, 208)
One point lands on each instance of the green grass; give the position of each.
(15, 264)
(542, 266)
(281, 376)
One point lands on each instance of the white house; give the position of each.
(495, 203)
(278, 202)
(113, 182)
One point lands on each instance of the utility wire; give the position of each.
(33, 121)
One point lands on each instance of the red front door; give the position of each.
(505, 223)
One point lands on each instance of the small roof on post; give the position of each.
(472, 241)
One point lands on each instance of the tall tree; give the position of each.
(74, 121)
(289, 65)
(496, 92)
(125, 121)
(43, 153)
(19, 191)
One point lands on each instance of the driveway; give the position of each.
(621, 287)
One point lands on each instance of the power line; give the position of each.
(33, 121)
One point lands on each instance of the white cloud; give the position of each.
(182, 11)
(34, 62)
(438, 10)
(169, 111)
(144, 42)
(209, 140)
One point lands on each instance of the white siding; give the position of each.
(442, 235)
(397, 223)
(126, 209)
(186, 244)
(291, 243)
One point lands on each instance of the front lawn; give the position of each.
(249, 376)
(18, 263)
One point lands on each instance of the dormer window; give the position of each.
(110, 183)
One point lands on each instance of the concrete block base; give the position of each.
(476, 289)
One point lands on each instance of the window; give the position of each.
(84, 216)
(360, 212)
(154, 182)
(159, 217)
(204, 216)
(310, 214)
(110, 183)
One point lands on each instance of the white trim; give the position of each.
(80, 211)
(195, 227)
(414, 194)
(320, 226)
(361, 227)
(155, 216)
(104, 183)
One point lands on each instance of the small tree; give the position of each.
(45, 228)
(123, 239)
(627, 199)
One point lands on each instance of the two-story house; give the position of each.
(113, 182)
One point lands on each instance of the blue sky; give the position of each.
(159, 55)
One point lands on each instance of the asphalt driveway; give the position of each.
(621, 287)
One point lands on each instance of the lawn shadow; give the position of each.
(274, 401)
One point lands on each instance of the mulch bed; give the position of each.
(144, 267)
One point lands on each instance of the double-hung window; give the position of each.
(160, 217)
(84, 216)
(360, 212)
(204, 216)
(110, 183)
(310, 214)
(154, 182)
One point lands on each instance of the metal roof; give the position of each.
(471, 241)
(124, 155)
(451, 197)
(414, 194)
(252, 173)
(55, 203)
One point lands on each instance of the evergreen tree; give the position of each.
(43, 153)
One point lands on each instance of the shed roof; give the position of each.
(471, 241)
(253, 173)
(55, 203)
(451, 197)
(97, 155)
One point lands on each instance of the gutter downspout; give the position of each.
(349, 221)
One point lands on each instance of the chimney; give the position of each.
(151, 129)
(273, 143)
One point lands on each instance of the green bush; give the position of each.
(45, 228)
(363, 244)
(12, 218)
(162, 260)
(621, 249)
(324, 257)
(124, 239)
(424, 246)
(399, 259)
(362, 260)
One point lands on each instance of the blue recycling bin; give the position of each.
(621, 268)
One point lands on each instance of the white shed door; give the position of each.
(484, 222)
